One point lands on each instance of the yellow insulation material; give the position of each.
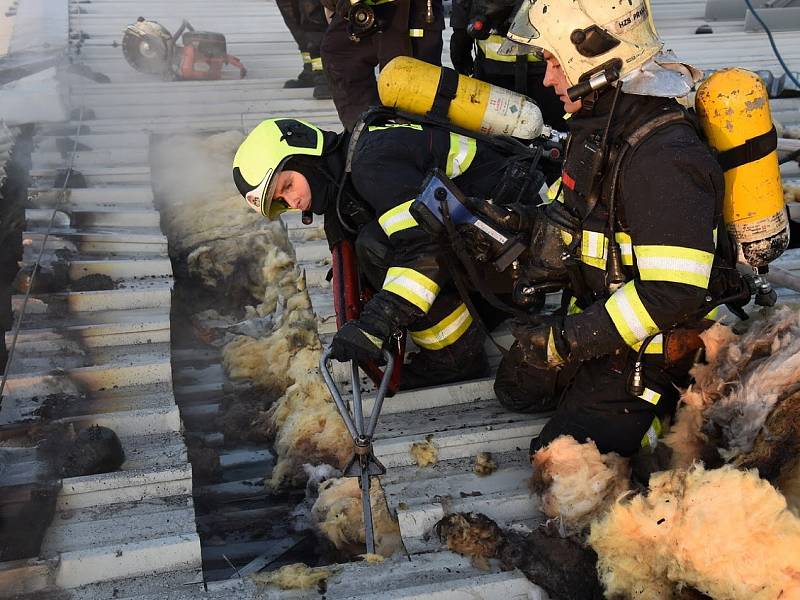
(338, 516)
(297, 576)
(425, 454)
(484, 464)
(576, 482)
(725, 532)
(791, 191)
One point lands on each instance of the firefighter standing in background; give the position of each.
(352, 51)
(286, 163)
(667, 191)
(481, 26)
(307, 23)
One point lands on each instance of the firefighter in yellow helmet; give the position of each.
(288, 163)
(652, 257)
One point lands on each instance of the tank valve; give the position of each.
(765, 295)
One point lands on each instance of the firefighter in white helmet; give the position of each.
(652, 257)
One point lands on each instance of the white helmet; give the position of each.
(588, 37)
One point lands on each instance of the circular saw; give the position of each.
(150, 48)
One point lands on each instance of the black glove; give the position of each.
(543, 345)
(351, 342)
(479, 245)
(461, 51)
(515, 217)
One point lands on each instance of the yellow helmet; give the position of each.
(263, 153)
(589, 36)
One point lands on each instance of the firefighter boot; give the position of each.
(461, 361)
(321, 90)
(305, 79)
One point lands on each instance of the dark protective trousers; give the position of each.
(350, 66)
(372, 251)
(595, 404)
(306, 22)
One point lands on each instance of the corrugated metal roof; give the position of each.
(132, 533)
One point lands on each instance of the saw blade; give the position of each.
(148, 47)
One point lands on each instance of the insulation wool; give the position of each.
(304, 421)
(735, 391)
(791, 191)
(471, 534)
(338, 516)
(297, 576)
(484, 464)
(725, 532)
(424, 453)
(576, 482)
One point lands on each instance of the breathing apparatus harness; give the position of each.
(727, 286)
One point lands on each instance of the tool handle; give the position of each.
(384, 386)
(337, 397)
(356, 428)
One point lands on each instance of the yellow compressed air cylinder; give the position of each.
(411, 85)
(733, 107)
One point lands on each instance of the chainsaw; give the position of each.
(150, 48)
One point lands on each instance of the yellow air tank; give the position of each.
(411, 85)
(733, 108)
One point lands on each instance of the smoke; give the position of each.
(248, 263)
(214, 238)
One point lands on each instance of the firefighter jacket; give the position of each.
(389, 165)
(497, 18)
(668, 211)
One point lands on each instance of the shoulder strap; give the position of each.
(752, 150)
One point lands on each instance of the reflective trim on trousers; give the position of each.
(397, 219)
(446, 332)
(650, 438)
(412, 286)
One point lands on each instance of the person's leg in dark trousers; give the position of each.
(520, 387)
(597, 406)
(428, 47)
(290, 11)
(350, 69)
(450, 343)
(314, 24)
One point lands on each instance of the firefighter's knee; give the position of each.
(520, 387)
(372, 251)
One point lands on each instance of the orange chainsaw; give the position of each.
(150, 48)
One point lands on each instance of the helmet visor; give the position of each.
(510, 48)
(522, 30)
(260, 197)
